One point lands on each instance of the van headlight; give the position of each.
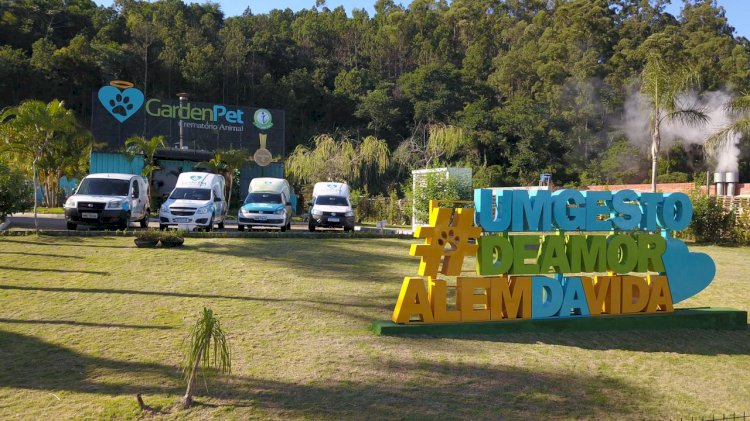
(349, 213)
(280, 212)
(164, 208)
(70, 203)
(115, 204)
(316, 212)
(203, 210)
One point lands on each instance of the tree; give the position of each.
(739, 108)
(15, 191)
(33, 130)
(207, 348)
(662, 86)
(339, 160)
(227, 163)
(442, 142)
(147, 148)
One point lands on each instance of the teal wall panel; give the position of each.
(103, 162)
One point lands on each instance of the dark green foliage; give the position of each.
(712, 223)
(535, 85)
(15, 192)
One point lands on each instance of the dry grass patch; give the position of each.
(87, 323)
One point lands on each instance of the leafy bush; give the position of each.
(437, 187)
(149, 234)
(711, 221)
(16, 192)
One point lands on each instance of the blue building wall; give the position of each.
(105, 162)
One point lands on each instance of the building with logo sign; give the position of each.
(193, 132)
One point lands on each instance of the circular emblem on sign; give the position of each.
(262, 157)
(262, 119)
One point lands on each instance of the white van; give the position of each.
(331, 207)
(268, 204)
(109, 199)
(197, 202)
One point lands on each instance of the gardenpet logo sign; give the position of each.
(121, 110)
(122, 100)
(611, 254)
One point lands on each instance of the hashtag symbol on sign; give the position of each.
(446, 241)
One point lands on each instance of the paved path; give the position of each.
(25, 221)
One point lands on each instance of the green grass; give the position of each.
(54, 211)
(86, 323)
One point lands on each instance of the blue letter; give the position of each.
(594, 209)
(483, 217)
(528, 212)
(574, 299)
(546, 297)
(569, 219)
(649, 207)
(626, 215)
(676, 212)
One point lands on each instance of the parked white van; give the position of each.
(197, 202)
(109, 199)
(269, 203)
(331, 207)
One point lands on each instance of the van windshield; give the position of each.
(331, 200)
(191, 194)
(263, 198)
(104, 187)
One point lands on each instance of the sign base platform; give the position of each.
(689, 318)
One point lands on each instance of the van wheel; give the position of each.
(289, 226)
(311, 226)
(210, 226)
(240, 227)
(221, 225)
(283, 229)
(144, 221)
(162, 227)
(347, 229)
(71, 226)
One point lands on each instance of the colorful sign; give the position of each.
(571, 254)
(120, 110)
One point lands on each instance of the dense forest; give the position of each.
(534, 85)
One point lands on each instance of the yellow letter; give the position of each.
(438, 297)
(412, 300)
(634, 294)
(467, 298)
(596, 295)
(661, 297)
(510, 300)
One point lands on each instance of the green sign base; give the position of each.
(692, 318)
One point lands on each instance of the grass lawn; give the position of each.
(86, 323)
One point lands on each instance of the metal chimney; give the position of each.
(732, 178)
(719, 179)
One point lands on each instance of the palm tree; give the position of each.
(147, 148)
(662, 86)
(33, 129)
(227, 163)
(234, 159)
(739, 109)
(207, 348)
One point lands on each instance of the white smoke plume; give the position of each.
(636, 126)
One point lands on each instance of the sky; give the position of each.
(737, 11)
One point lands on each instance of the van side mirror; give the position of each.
(217, 199)
(309, 203)
(288, 203)
(354, 206)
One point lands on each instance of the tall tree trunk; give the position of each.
(655, 143)
(187, 400)
(36, 204)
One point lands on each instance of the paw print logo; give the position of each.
(446, 241)
(121, 104)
